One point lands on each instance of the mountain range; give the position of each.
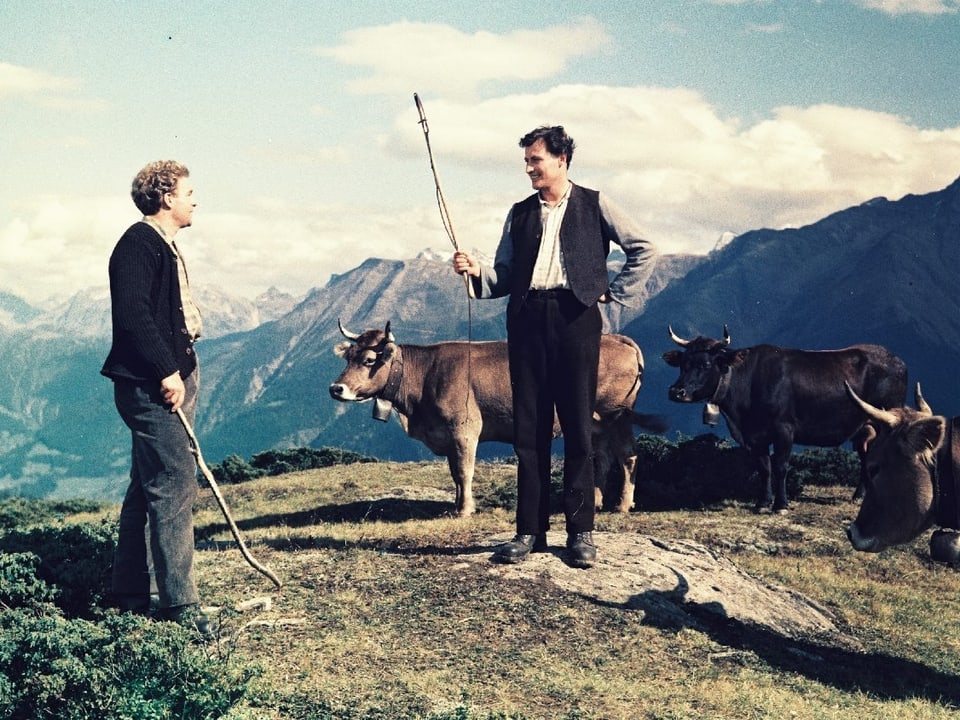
(883, 271)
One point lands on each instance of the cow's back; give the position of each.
(885, 379)
(484, 368)
(620, 374)
(806, 387)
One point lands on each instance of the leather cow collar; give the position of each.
(383, 403)
(711, 411)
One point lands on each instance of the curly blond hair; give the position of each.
(155, 180)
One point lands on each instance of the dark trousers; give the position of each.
(155, 541)
(554, 348)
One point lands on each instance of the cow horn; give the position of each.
(346, 333)
(881, 416)
(726, 336)
(388, 334)
(922, 407)
(676, 338)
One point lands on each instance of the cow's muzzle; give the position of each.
(339, 391)
(678, 394)
(860, 542)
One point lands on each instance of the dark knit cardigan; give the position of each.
(150, 338)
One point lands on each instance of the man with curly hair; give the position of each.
(155, 372)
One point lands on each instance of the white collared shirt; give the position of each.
(549, 271)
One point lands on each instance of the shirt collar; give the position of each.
(156, 226)
(563, 198)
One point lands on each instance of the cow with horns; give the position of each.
(912, 471)
(453, 395)
(780, 396)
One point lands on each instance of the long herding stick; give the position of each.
(441, 201)
(195, 449)
(448, 226)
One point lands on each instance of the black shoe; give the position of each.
(522, 545)
(582, 551)
(190, 617)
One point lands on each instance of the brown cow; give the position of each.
(453, 395)
(911, 469)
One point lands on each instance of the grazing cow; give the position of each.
(912, 468)
(778, 396)
(453, 395)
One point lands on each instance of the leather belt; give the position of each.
(551, 293)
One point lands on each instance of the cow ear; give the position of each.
(672, 358)
(340, 349)
(731, 359)
(926, 435)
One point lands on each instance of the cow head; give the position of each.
(899, 499)
(368, 356)
(703, 363)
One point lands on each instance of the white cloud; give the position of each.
(448, 61)
(49, 252)
(688, 174)
(685, 172)
(911, 7)
(17, 80)
(891, 7)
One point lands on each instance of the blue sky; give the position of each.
(297, 121)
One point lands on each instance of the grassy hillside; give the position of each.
(378, 618)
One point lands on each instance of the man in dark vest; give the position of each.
(551, 260)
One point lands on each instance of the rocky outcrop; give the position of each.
(675, 583)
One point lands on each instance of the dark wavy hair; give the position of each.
(153, 182)
(555, 139)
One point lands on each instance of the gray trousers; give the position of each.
(155, 543)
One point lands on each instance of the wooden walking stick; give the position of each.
(195, 449)
(441, 200)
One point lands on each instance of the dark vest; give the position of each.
(584, 244)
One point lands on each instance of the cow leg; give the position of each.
(613, 462)
(623, 451)
(765, 500)
(629, 465)
(462, 463)
(779, 466)
(601, 465)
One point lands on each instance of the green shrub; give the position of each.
(706, 470)
(20, 587)
(18, 512)
(278, 462)
(235, 469)
(123, 667)
(74, 559)
(826, 466)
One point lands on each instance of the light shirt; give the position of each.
(191, 313)
(549, 271)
